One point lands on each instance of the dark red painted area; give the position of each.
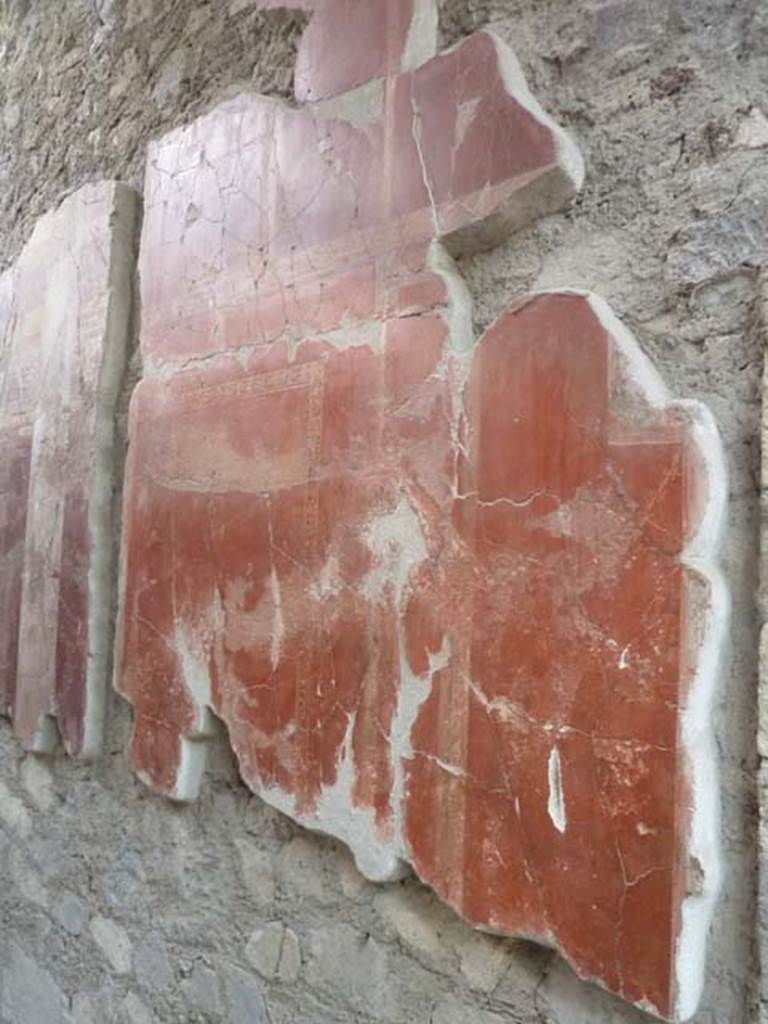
(551, 582)
(574, 645)
(245, 509)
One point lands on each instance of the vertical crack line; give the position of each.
(416, 131)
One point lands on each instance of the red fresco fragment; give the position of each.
(60, 362)
(373, 41)
(264, 219)
(437, 591)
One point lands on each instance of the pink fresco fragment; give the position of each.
(438, 591)
(63, 332)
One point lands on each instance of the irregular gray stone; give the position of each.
(11, 116)
(202, 990)
(720, 244)
(38, 781)
(124, 880)
(416, 919)
(91, 1007)
(274, 952)
(258, 871)
(27, 879)
(113, 941)
(170, 78)
(753, 130)
(244, 999)
(14, 814)
(29, 995)
(354, 968)
(152, 965)
(106, 11)
(71, 913)
(134, 1011)
(303, 868)
(450, 1011)
(483, 960)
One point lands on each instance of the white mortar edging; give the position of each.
(700, 556)
(123, 203)
(567, 154)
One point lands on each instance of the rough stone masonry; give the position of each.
(226, 912)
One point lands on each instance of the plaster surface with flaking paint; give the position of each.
(456, 613)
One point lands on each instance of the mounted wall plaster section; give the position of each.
(454, 601)
(64, 320)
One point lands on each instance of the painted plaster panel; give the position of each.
(454, 601)
(64, 310)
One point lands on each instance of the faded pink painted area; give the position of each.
(14, 483)
(372, 37)
(54, 306)
(263, 219)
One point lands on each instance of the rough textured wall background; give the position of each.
(116, 906)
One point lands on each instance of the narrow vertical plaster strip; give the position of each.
(100, 514)
(556, 802)
(458, 313)
(421, 42)
(698, 741)
(278, 625)
(194, 752)
(191, 769)
(412, 693)
(195, 673)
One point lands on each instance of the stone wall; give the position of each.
(116, 905)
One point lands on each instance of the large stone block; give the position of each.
(454, 600)
(64, 319)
